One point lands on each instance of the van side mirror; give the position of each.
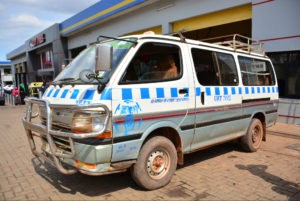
(104, 54)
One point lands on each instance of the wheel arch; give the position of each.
(262, 117)
(169, 131)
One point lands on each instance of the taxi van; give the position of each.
(141, 102)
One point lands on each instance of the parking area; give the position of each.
(223, 172)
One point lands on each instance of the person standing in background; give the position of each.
(16, 94)
(22, 93)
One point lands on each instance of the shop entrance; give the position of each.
(237, 20)
(76, 51)
(241, 27)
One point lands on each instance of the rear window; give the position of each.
(256, 72)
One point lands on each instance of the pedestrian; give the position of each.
(22, 93)
(16, 94)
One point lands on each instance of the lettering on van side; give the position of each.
(168, 100)
(222, 98)
(128, 108)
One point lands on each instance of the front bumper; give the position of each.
(65, 160)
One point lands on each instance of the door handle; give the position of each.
(183, 91)
(202, 94)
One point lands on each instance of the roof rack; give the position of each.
(238, 42)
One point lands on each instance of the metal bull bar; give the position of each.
(47, 130)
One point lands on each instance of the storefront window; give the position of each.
(46, 59)
(7, 71)
(287, 67)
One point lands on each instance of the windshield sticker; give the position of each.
(120, 44)
(100, 73)
(128, 108)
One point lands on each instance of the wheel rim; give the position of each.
(158, 164)
(256, 136)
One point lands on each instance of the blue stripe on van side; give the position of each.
(198, 91)
(217, 91)
(208, 92)
(225, 90)
(126, 94)
(89, 94)
(269, 90)
(252, 90)
(174, 92)
(160, 93)
(48, 95)
(56, 93)
(106, 94)
(145, 93)
(75, 94)
(247, 90)
(233, 90)
(258, 90)
(264, 89)
(64, 94)
(46, 92)
(273, 89)
(276, 89)
(240, 90)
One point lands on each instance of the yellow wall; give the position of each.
(213, 19)
(156, 30)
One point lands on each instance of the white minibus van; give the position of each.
(141, 102)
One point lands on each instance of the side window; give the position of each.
(256, 72)
(154, 62)
(205, 67)
(214, 68)
(228, 71)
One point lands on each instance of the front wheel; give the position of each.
(252, 140)
(156, 163)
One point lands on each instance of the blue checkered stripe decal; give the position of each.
(152, 93)
(248, 90)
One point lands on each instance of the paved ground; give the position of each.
(220, 173)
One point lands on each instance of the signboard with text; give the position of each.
(37, 40)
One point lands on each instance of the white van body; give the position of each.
(153, 121)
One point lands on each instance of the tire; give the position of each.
(253, 138)
(156, 163)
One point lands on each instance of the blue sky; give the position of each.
(22, 19)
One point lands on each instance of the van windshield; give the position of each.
(86, 61)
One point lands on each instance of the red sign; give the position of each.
(37, 40)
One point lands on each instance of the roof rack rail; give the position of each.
(238, 42)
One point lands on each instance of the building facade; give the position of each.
(273, 22)
(6, 76)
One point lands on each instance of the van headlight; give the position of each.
(86, 122)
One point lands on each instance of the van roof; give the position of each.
(195, 42)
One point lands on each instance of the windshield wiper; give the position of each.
(64, 80)
(67, 79)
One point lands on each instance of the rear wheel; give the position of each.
(156, 163)
(252, 140)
